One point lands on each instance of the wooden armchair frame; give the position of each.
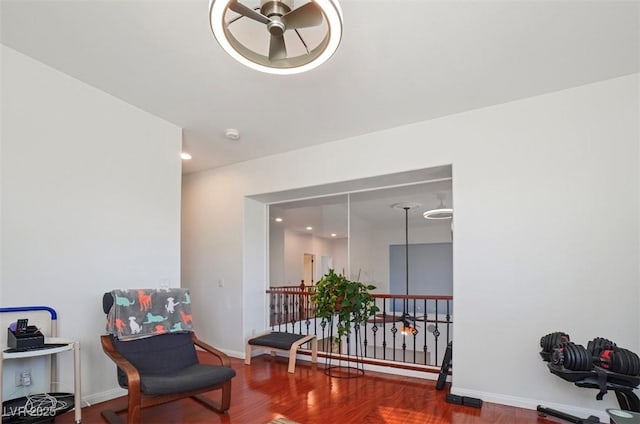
(138, 400)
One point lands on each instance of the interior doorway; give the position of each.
(309, 260)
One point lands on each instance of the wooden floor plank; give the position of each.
(265, 391)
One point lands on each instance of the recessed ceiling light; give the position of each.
(185, 156)
(278, 219)
(333, 234)
(309, 228)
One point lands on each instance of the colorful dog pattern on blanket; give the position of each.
(139, 313)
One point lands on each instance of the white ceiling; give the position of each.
(400, 61)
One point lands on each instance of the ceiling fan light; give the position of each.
(440, 213)
(408, 329)
(332, 13)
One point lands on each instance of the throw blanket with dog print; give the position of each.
(139, 313)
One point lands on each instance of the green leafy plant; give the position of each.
(345, 302)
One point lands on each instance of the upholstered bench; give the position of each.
(282, 342)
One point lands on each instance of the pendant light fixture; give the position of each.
(299, 36)
(408, 329)
(441, 212)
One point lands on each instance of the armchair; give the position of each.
(156, 359)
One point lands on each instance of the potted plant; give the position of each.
(343, 302)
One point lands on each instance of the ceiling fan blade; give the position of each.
(248, 12)
(307, 15)
(277, 48)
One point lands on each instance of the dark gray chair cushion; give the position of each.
(168, 363)
(163, 354)
(276, 339)
(194, 377)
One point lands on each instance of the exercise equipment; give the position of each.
(602, 365)
(446, 366)
(442, 378)
(618, 416)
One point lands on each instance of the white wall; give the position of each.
(213, 236)
(90, 201)
(536, 245)
(295, 246)
(276, 256)
(339, 254)
(286, 255)
(372, 248)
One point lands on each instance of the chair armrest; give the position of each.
(133, 376)
(224, 359)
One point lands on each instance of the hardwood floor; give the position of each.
(265, 391)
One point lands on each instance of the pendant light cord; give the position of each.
(406, 258)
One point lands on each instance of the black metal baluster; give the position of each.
(384, 329)
(425, 332)
(415, 331)
(301, 312)
(308, 312)
(374, 330)
(394, 331)
(365, 341)
(349, 338)
(315, 321)
(272, 309)
(323, 325)
(293, 317)
(448, 323)
(404, 336)
(436, 334)
(278, 309)
(285, 311)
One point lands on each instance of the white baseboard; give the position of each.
(368, 367)
(532, 404)
(233, 353)
(103, 396)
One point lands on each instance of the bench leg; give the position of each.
(314, 350)
(247, 354)
(292, 359)
(294, 349)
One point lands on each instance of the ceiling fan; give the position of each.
(291, 49)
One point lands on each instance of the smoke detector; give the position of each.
(232, 134)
